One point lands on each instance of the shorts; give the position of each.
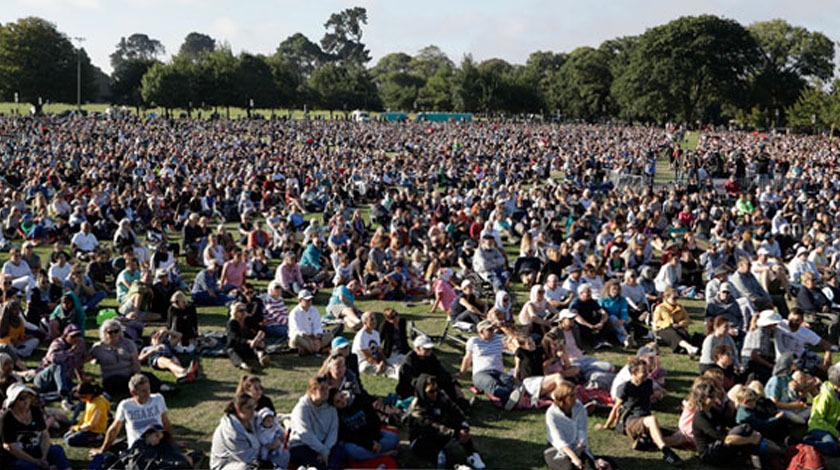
(635, 427)
(334, 311)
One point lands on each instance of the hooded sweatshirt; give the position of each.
(440, 419)
(314, 426)
(234, 447)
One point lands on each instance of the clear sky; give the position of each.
(485, 28)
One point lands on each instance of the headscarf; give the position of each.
(500, 305)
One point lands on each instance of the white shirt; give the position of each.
(795, 342)
(365, 340)
(60, 272)
(86, 242)
(557, 294)
(304, 322)
(486, 355)
(17, 270)
(138, 417)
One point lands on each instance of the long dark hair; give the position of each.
(9, 318)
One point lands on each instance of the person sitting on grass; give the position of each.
(670, 323)
(484, 355)
(305, 331)
(90, 430)
(314, 428)
(136, 413)
(825, 416)
(360, 434)
(367, 346)
(422, 360)
(245, 347)
(160, 355)
(26, 438)
(566, 431)
(437, 425)
(631, 414)
(715, 445)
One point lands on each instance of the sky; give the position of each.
(487, 29)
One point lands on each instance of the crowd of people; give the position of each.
(126, 204)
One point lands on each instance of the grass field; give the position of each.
(505, 439)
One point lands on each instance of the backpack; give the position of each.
(806, 458)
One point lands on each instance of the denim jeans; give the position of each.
(823, 441)
(387, 440)
(54, 377)
(494, 382)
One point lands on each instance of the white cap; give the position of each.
(566, 313)
(424, 342)
(305, 294)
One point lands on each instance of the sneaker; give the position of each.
(475, 461)
(643, 444)
(671, 457)
(629, 343)
(603, 345)
(462, 467)
(67, 405)
(513, 399)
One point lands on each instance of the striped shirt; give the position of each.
(486, 355)
(275, 311)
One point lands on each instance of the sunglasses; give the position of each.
(113, 332)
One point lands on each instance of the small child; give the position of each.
(90, 431)
(773, 428)
(271, 436)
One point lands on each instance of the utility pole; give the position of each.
(79, 40)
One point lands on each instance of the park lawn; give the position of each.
(505, 439)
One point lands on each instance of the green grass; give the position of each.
(505, 439)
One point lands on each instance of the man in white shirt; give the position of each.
(556, 295)
(305, 330)
(792, 336)
(137, 413)
(84, 242)
(367, 346)
(484, 355)
(21, 274)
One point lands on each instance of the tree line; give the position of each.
(695, 69)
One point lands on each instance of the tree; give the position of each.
(216, 75)
(429, 61)
(681, 69)
(39, 62)
(346, 87)
(436, 94)
(582, 86)
(791, 57)
(390, 63)
(136, 46)
(128, 81)
(254, 81)
(539, 73)
(467, 88)
(399, 90)
(166, 86)
(300, 54)
(196, 44)
(343, 39)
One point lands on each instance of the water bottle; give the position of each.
(441, 460)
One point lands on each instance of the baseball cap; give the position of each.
(566, 313)
(465, 283)
(339, 342)
(305, 294)
(725, 287)
(424, 342)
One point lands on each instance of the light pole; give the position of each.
(79, 40)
